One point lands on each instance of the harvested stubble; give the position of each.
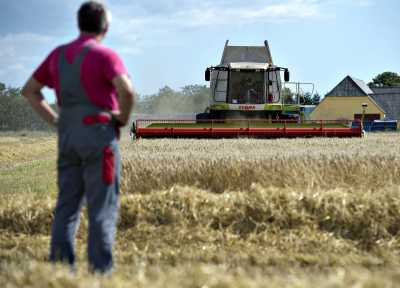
(37, 276)
(231, 213)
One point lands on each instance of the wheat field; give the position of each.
(218, 213)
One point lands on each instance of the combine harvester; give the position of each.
(248, 100)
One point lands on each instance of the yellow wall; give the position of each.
(337, 108)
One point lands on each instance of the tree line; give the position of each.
(305, 99)
(189, 99)
(385, 79)
(15, 114)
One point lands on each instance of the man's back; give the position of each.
(99, 67)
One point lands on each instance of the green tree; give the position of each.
(288, 96)
(315, 99)
(388, 79)
(14, 92)
(197, 97)
(167, 101)
(3, 90)
(306, 99)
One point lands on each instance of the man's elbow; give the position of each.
(31, 88)
(129, 96)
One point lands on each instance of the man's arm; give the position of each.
(126, 97)
(32, 91)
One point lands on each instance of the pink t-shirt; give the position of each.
(99, 67)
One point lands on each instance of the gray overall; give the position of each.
(88, 167)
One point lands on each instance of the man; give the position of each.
(95, 97)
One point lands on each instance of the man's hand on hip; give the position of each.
(33, 93)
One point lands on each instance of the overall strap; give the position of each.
(72, 92)
(79, 59)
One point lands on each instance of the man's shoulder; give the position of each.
(111, 63)
(56, 51)
(53, 55)
(104, 52)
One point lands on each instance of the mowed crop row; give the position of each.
(362, 216)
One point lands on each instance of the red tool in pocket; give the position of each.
(96, 118)
(108, 165)
(103, 118)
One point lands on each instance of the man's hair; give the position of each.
(92, 17)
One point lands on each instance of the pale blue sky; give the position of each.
(170, 42)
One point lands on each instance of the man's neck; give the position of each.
(97, 37)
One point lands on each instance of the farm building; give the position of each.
(389, 99)
(346, 99)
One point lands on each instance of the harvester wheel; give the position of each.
(202, 117)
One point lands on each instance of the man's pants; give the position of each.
(88, 169)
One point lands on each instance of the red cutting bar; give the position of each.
(283, 132)
(246, 132)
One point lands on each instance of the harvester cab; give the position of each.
(247, 84)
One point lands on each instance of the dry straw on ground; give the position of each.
(226, 213)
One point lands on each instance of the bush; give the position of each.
(16, 114)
